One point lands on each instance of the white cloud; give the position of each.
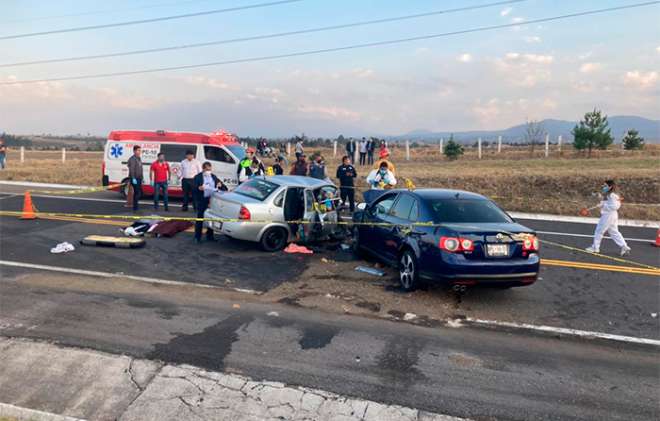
(586, 55)
(640, 80)
(590, 67)
(525, 70)
(530, 58)
(657, 48)
(330, 112)
(464, 58)
(362, 73)
(506, 12)
(532, 39)
(517, 19)
(208, 82)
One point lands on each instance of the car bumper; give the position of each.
(247, 231)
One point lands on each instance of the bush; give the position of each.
(453, 149)
(632, 140)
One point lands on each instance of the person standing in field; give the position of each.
(317, 168)
(160, 176)
(190, 167)
(363, 151)
(3, 154)
(609, 219)
(350, 148)
(299, 167)
(136, 175)
(346, 174)
(371, 146)
(299, 148)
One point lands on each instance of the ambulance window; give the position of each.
(215, 153)
(176, 153)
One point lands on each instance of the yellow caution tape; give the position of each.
(79, 191)
(615, 259)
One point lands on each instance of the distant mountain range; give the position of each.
(648, 129)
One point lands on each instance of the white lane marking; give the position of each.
(93, 199)
(120, 275)
(590, 236)
(583, 220)
(45, 185)
(566, 331)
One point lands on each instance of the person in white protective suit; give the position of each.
(381, 178)
(609, 219)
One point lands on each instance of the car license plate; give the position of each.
(497, 250)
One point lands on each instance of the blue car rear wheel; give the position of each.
(408, 276)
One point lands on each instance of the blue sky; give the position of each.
(482, 80)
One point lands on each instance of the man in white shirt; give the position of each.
(190, 167)
(299, 148)
(363, 151)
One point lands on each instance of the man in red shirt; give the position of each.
(160, 176)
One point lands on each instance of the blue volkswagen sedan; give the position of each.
(447, 236)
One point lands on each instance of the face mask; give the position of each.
(161, 159)
(605, 189)
(382, 172)
(207, 173)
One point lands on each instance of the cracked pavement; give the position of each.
(89, 384)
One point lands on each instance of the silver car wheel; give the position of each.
(407, 271)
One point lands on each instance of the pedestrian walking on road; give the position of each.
(3, 154)
(299, 167)
(204, 185)
(346, 174)
(190, 167)
(363, 151)
(609, 219)
(160, 177)
(136, 175)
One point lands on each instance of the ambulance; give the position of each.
(220, 148)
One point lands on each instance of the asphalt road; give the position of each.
(601, 301)
(477, 373)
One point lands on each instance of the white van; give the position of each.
(220, 148)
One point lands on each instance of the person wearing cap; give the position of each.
(384, 154)
(190, 167)
(300, 167)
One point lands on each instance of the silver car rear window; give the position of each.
(256, 188)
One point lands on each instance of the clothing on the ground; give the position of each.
(609, 221)
(190, 169)
(170, 228)
(379, 181)
(135, 168)
(161, 171)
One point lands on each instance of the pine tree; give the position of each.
(453, 149)
(632, 140)
(592, 132)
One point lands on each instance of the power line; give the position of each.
(99, 12)
(260, 37)
(151, 20)
(335, 49)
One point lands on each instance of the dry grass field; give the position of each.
(561, 184)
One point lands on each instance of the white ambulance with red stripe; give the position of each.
(220, 148)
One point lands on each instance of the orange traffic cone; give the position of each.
(28, 207)
(657, 239)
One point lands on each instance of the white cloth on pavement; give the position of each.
(64, 247)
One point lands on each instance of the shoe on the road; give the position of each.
(625, 250)
(591, 250)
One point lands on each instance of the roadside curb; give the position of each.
(8, 410)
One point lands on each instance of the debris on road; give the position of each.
(409, 316)
(295, 248)
(107, 241)
(62, 248)
(370, 271)
(273, 314)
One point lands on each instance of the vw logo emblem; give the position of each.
(500, 237)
